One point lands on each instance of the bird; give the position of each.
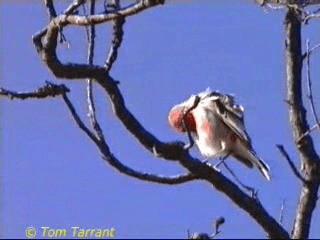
(216, 124)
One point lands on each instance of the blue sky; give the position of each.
(52, 175)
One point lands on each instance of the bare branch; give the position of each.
(281, 211)
(91, 105)
(48, 90)
(288, 2)
(46, 46)
(310, 94)
(309, 17)
(172, 180)
(50, 9)
(113, 161)
(247, 188)
(310, 51)
(291, 164)
(78, 120)
(297, 114)
(71, 9)
(117, 37)
(52, 14)
(130, 10)
(218, 223)
(308, 132)
(74, 6)
(175, 151)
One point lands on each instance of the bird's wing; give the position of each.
(232, 116)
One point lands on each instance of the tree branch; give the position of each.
(291, 164)
(175, 151)
(310, 94)
(310, 16)
(46, 46)
(282, 211)
(141, 5)
(48, 90)
(78, 120)
(297, 115)
(91, 33)
(50, 9)
(113, 161)
(117, 37)
(287, 2)
(46, 41)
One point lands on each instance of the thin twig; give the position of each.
(48, 90)
(70, 10)
(50, 9)
(91, 33)
(113, 161)
(74, 6)
(246, 187)
(308, 132)
(78, 120)
(218, 223)
(310, 94)
(291, 164)
(52, 14)
(281, 211)
(171, 180)
(310, 51)
(117, 36)
(309, 17)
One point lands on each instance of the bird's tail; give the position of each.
(260, 164)
(248, 157)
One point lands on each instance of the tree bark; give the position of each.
(297, 115)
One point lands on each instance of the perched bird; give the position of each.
(216, 124)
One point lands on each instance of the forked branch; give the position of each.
(297, 114)
(46, 44)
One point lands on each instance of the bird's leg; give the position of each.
(206, 161)
(185, 126)
(221, 160)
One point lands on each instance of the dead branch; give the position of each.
(291, 164)
(48, 90)
(282, 211)
(78, 120)
(288, 2)
(91, 33)
(217, 224)
(46, 44)
(113, 161)
(309, 84)
(297, 115)
(50, 8)
(309, 17)
(251, 190)
(117, 36)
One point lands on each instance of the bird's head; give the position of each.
(183, 111)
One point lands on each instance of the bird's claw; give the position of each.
(206, 161)
(187, 146)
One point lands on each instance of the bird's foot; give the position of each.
(215, 167)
